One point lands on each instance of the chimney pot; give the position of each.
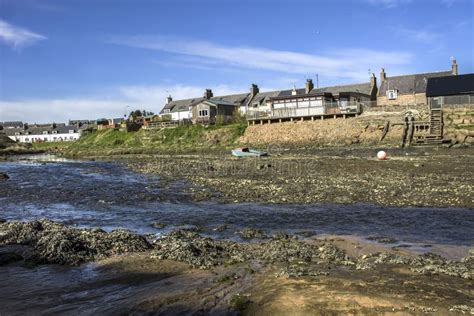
(169, 99)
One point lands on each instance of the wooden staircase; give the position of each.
(435, 134)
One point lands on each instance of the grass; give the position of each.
(181, 139)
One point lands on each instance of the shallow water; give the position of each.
(108, 195)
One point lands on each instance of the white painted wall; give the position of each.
(46, 137)
(181, 115)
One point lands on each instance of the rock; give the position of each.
(158, 225)
(383, 240)
(464, 309)
(220, 228)
(4, 176)
(56, 243)
(251, 233)
(2, 220)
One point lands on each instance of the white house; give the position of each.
(49, 133)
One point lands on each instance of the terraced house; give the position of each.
(301, 103)
(408, 89)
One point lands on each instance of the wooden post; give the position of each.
(312, 118)
(302, 118)
(322, 117)
(291, 119)
(334, 116)
(279, 120)
(344, 116)
(269, 122)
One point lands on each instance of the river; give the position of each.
(108, 195)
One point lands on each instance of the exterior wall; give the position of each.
(45, 138)
(406, 99)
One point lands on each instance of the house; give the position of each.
(450, 90)
(104, 123)
(408, 89)
(210, 111)
(182, 110)
(43, 133)
(310, 102)
(12, 124)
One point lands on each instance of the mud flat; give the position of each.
(184, 272)
(438, 177)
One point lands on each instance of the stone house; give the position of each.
(408, 89)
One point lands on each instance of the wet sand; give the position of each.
(138, 284)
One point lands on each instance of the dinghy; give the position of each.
(247, 152)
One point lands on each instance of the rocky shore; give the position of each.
(279, 259)
(438, 177)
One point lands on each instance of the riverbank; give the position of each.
(423, 176)
(184, 272)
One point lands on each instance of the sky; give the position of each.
(86, 59)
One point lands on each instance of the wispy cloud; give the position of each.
(388, 4)
(115, 103)
(417, 35)
(342, 63)
(17, 37)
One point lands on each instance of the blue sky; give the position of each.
(75, 59)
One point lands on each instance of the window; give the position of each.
(54, 132)
(71, 131)
(27, 139)
(45, 132)
(71, 137)
(203, 112)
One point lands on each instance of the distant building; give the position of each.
(408, 89)
(11, 124)
(43, 133)
(450, 90)
(104, 123)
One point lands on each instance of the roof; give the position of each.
(452, 85)
(219, 102)
(12, 124)
(63, 129)
(364, 88)
(409, 84)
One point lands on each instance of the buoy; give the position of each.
(382, 155)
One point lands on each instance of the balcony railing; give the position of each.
(282, 113)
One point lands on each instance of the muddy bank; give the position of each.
(185, 272)
(438, 177)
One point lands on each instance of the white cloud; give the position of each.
(17, 37)
(127, 98)
(350, 64)
(388, 4)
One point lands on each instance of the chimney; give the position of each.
(169, 99)
(454, 67)
(208, 94)
(294, 92)
(254, 90)
(383, 75)
(373, 80)
(308, 86)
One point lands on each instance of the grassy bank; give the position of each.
(182, 139)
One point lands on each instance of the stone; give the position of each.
(4, 176)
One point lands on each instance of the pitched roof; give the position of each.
(364, 88)
(12, 124)
(451, 85)
(409, 84)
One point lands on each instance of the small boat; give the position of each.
(247, 152)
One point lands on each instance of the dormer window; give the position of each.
(45, 132)
(71, 131)
(55, 132)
